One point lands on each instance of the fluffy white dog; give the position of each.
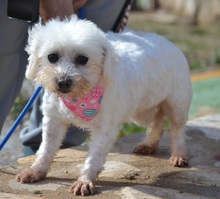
(96, 81)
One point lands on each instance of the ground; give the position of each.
(130, 176)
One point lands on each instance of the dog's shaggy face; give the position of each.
(69, 62)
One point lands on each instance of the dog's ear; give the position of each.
(32, 50)
(109, 62)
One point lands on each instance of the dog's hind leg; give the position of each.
(154, 132)
(178, 151)
(178, 116)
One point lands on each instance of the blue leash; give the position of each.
(29, 103)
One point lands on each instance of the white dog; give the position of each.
(96, 81)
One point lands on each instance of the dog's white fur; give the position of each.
(145, 78)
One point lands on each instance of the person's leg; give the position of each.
(13, 58)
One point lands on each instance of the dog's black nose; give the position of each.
(64, 84)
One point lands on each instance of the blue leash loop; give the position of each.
(29, 103)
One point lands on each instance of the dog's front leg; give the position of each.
(53, 132)
(100, 144)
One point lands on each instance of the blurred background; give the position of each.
(193, 25)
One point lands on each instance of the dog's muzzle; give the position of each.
(64, 84)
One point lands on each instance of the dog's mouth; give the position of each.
(64, 91)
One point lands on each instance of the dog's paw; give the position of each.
(145, 149)
(82, 188)
(30, 175)
(178, 161)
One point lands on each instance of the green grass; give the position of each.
(199, 31)
(130, 128)
(216, 57)
(17, 107)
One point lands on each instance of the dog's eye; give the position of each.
(81, 60)
(53, 58)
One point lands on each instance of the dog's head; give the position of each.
(69, 57)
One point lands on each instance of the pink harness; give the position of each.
(87, 106)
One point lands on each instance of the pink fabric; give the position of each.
(87, 106)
